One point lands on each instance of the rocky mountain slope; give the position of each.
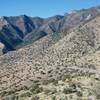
(66, 70)
(22, 29)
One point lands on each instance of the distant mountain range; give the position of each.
(18, 30)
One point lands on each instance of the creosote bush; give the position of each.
(36, 89)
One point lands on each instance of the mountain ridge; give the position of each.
(25, 28)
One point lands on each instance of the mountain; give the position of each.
(66, 69)
(18, 30)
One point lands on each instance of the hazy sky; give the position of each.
(42, 8)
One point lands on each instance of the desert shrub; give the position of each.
(35, 98)
(3, 93)
(39, 90)
(36, 81)
(6, 93)
(54, 98)
(69, 90)
(47, 91)
(98, 96)
(27, 94)
(10, 97)
(36, 89)
(51, 80)
(79, 93)
(55, 82)
(11, 92)
(45, 82)
(53, 91)
(25, 88)
(66, 77)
